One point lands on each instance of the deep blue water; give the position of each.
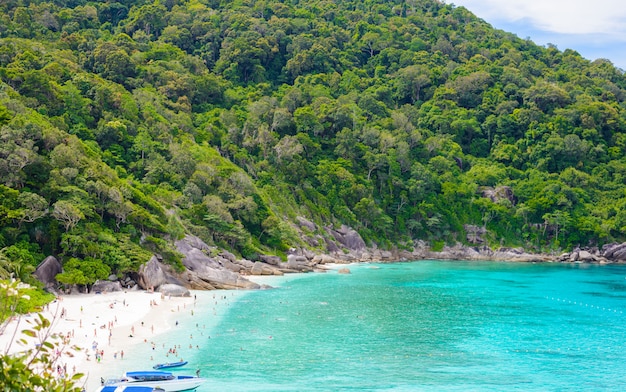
(420, 326)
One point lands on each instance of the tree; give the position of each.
(121, 210)
(18, 262)
(67, 213)
(83, 272)
(411, 81)
(149, 18)
(5, 116)
(287, 148)
(5, 267)
(34, 206)
(559, 220)
(242, 58)
(547, 96)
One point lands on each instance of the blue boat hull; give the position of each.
(169, 365)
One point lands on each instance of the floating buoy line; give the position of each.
(586, 305)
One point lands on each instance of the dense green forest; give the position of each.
(126, 124)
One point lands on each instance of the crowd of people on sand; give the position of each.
(63, 354)
(143, 328)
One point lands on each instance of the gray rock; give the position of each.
(386, 255)
(500, 193)
(264, 269)
(191, 241)
(312, 241)
(272, 260)
(585, 256)
(323, 259)
(47, 270)
(196, 260)
(207, 269)
(308, 254)
(229, 265)
(331, 246)
(246, 264)
(348, 237)
(174, 290)
(615, 252)
(191, 280)
(298, 263)
(228, 256)
(307, 224)
(151, 274)
(104, 286)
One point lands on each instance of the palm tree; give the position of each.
(5, 266)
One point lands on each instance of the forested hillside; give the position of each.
(126, 124)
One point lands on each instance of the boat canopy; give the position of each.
(150, 375)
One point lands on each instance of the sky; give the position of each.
(593, 28)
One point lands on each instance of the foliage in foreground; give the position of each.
(33, 368)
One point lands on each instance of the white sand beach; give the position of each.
(108, 323)
(116, 324)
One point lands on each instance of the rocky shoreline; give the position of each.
(210, 268)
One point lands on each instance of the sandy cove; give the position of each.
(112, 322)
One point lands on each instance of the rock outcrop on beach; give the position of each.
(210, 268)
(105, 286)
(151, 274)
(47, 271)
(347, 237)
(614, 252)
(174, 290)
(202, 267)
(422, 251)
(609, 254)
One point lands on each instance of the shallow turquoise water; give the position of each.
(421, 326)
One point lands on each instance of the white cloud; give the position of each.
(594, 28)
(607, 17)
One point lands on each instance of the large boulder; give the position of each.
(272, 260)
(209, 269)
(260, 268)
(228, 256)
(305, 223)
(47, 270)
(174, 290)
(229, 265)
(615, 252)
(298, 263)
(105, 286)
(324, 259)
(348, 237)
(245, 264)
(331, 246)
(500, 193)
(151, 274)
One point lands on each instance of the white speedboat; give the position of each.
(127, 388)
(157, 379)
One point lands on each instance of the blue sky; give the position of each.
(595, 29)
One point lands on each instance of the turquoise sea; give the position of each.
(419, 326)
